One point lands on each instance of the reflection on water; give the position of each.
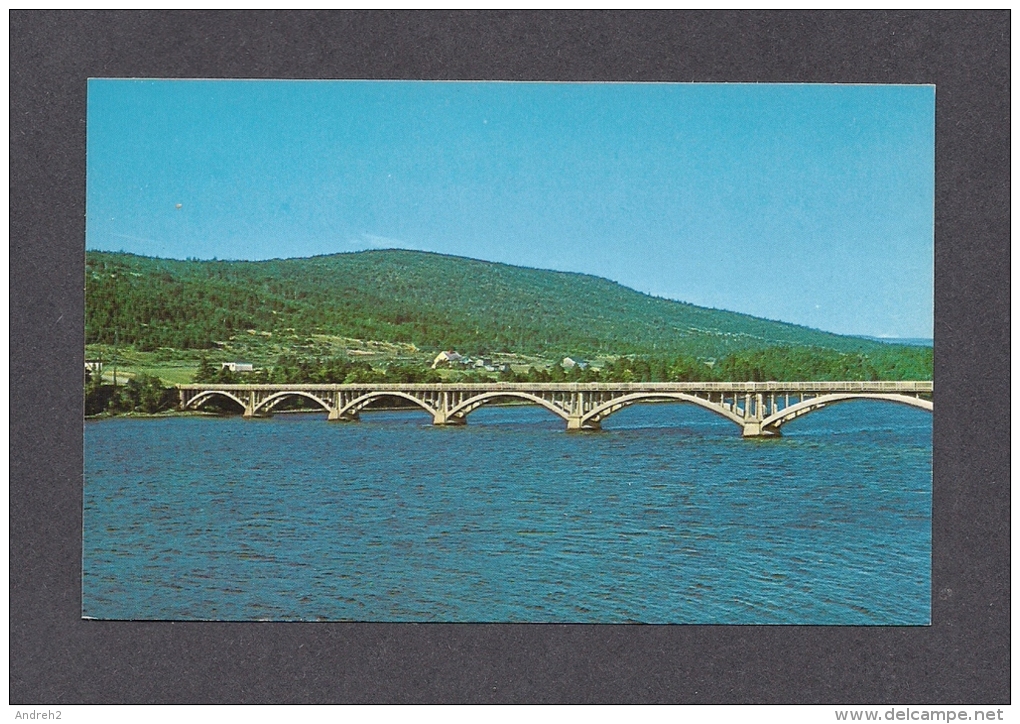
(666, 516)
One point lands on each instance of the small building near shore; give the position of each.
(447, 358)
(237, 366)
(571, 362)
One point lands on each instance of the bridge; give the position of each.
(760, 409)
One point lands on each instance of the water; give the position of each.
(666, 516)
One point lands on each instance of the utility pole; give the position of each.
(115, 340)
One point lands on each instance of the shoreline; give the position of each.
(200, 413)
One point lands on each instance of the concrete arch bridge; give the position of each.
(759, 409)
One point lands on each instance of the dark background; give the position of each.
(963, 658)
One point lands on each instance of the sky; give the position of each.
(810, 204)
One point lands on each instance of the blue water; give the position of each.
(666, 516)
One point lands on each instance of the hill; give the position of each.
(427, 300)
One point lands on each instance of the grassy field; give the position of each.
(129, 363)
(175, 367)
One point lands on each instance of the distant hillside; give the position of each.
(429, 300)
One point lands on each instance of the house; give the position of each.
(237, 366)
(571, 362)
(94, 365)
(445, 358)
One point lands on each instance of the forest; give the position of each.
(429, 300)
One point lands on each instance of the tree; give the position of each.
(206, 372)
(150, 395)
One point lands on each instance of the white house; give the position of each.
(446, 358)
(571, 362)
(237, 366)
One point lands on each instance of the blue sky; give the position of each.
(811, 204)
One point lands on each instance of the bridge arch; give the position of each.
(270, 402)
(206, 395)
(816, 403)
(619, 403)
(470, 405)
(353, 407)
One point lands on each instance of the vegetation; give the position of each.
(297, 370)
(139, 394)
(426, 300)
(778, 363)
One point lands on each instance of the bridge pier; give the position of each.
(576, 423)
(578, 407)
(754, 428)
(335, 416)
(441, 418)
(249, 406)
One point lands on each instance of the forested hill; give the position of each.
(433, 301)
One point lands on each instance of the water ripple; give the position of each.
(667, 516)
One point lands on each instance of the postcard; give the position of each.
(408, 351)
